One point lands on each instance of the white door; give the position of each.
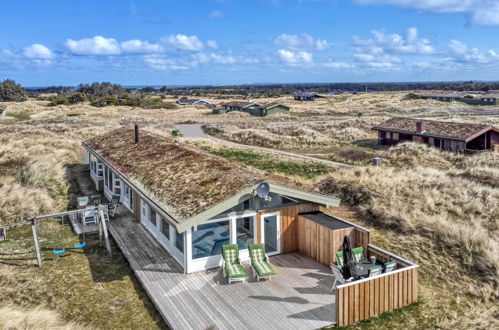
(271, 232)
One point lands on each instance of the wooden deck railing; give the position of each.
(372, 296)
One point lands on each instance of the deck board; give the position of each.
(298, 297)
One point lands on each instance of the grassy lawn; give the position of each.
(84, 285)
(269, 163)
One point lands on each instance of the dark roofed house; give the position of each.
(180, 205)
(468, 97)
(194, 102)
(451, 136)
(255, 109)
(306, 96)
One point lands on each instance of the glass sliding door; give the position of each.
(270, 224)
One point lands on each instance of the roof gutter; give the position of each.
(171, 219)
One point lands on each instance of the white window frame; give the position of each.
(195, 265)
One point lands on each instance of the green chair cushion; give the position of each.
(357, 253)
(339, 258)
(230, 253)
(263, 268)
(235, 270)
(259, 261)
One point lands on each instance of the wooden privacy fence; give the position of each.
(372, 296)
(321, 243)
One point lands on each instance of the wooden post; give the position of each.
(37, 243)
(104, 229)
(99, 220)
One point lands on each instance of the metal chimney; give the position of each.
(137, 133)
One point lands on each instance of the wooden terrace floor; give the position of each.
(299, 297)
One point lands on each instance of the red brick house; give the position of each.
(450, 136)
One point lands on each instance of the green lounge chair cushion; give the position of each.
(235, 270)
(339, 258)
(357, 253)
(259, 262)
(233, 267)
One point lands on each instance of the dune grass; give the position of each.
(422, 204)
(307, 170)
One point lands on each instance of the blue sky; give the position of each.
(235, 42)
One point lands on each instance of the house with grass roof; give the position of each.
(182, 206)
(448, 136)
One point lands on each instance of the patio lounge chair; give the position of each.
(113, 205)
(375, 271)
(339, 259)
(82, 202)
(231, 265)
(390, 266)
(260, 262)
(338, 277)
(89, 217)
(358, 254)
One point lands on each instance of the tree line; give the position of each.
(106, 93)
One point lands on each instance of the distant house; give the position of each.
(469, 97)
(255, 109)
(306, 96)
(194, 102)
(450, 136)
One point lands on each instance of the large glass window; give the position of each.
(245, 231)
(165, 228)
(152, 216)
(179, 241)
(208, 239)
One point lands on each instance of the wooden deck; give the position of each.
(80, 228)
(299, 297)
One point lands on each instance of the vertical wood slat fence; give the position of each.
(321, 243)
(372, 296)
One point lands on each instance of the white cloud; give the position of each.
(223, 59)
(338, 65)
(295, 58)
(460, 52)
(202, 58)
(97, 45)
(212, 44)
(302, 41)
(101, 46)
(140, 47)
(217, 14)
(38, 51)
(159, 62)
(481, 12)
(380, 42)
(184, 42)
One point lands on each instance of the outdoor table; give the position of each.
(361, 269)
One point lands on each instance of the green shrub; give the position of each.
(11, 91)
(57, 100)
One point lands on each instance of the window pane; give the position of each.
(152, 216)
(208, 239)
(165, 228)
(245, 228)
(179, 241)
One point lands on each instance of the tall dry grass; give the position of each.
(15, 318)
(460, 214)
